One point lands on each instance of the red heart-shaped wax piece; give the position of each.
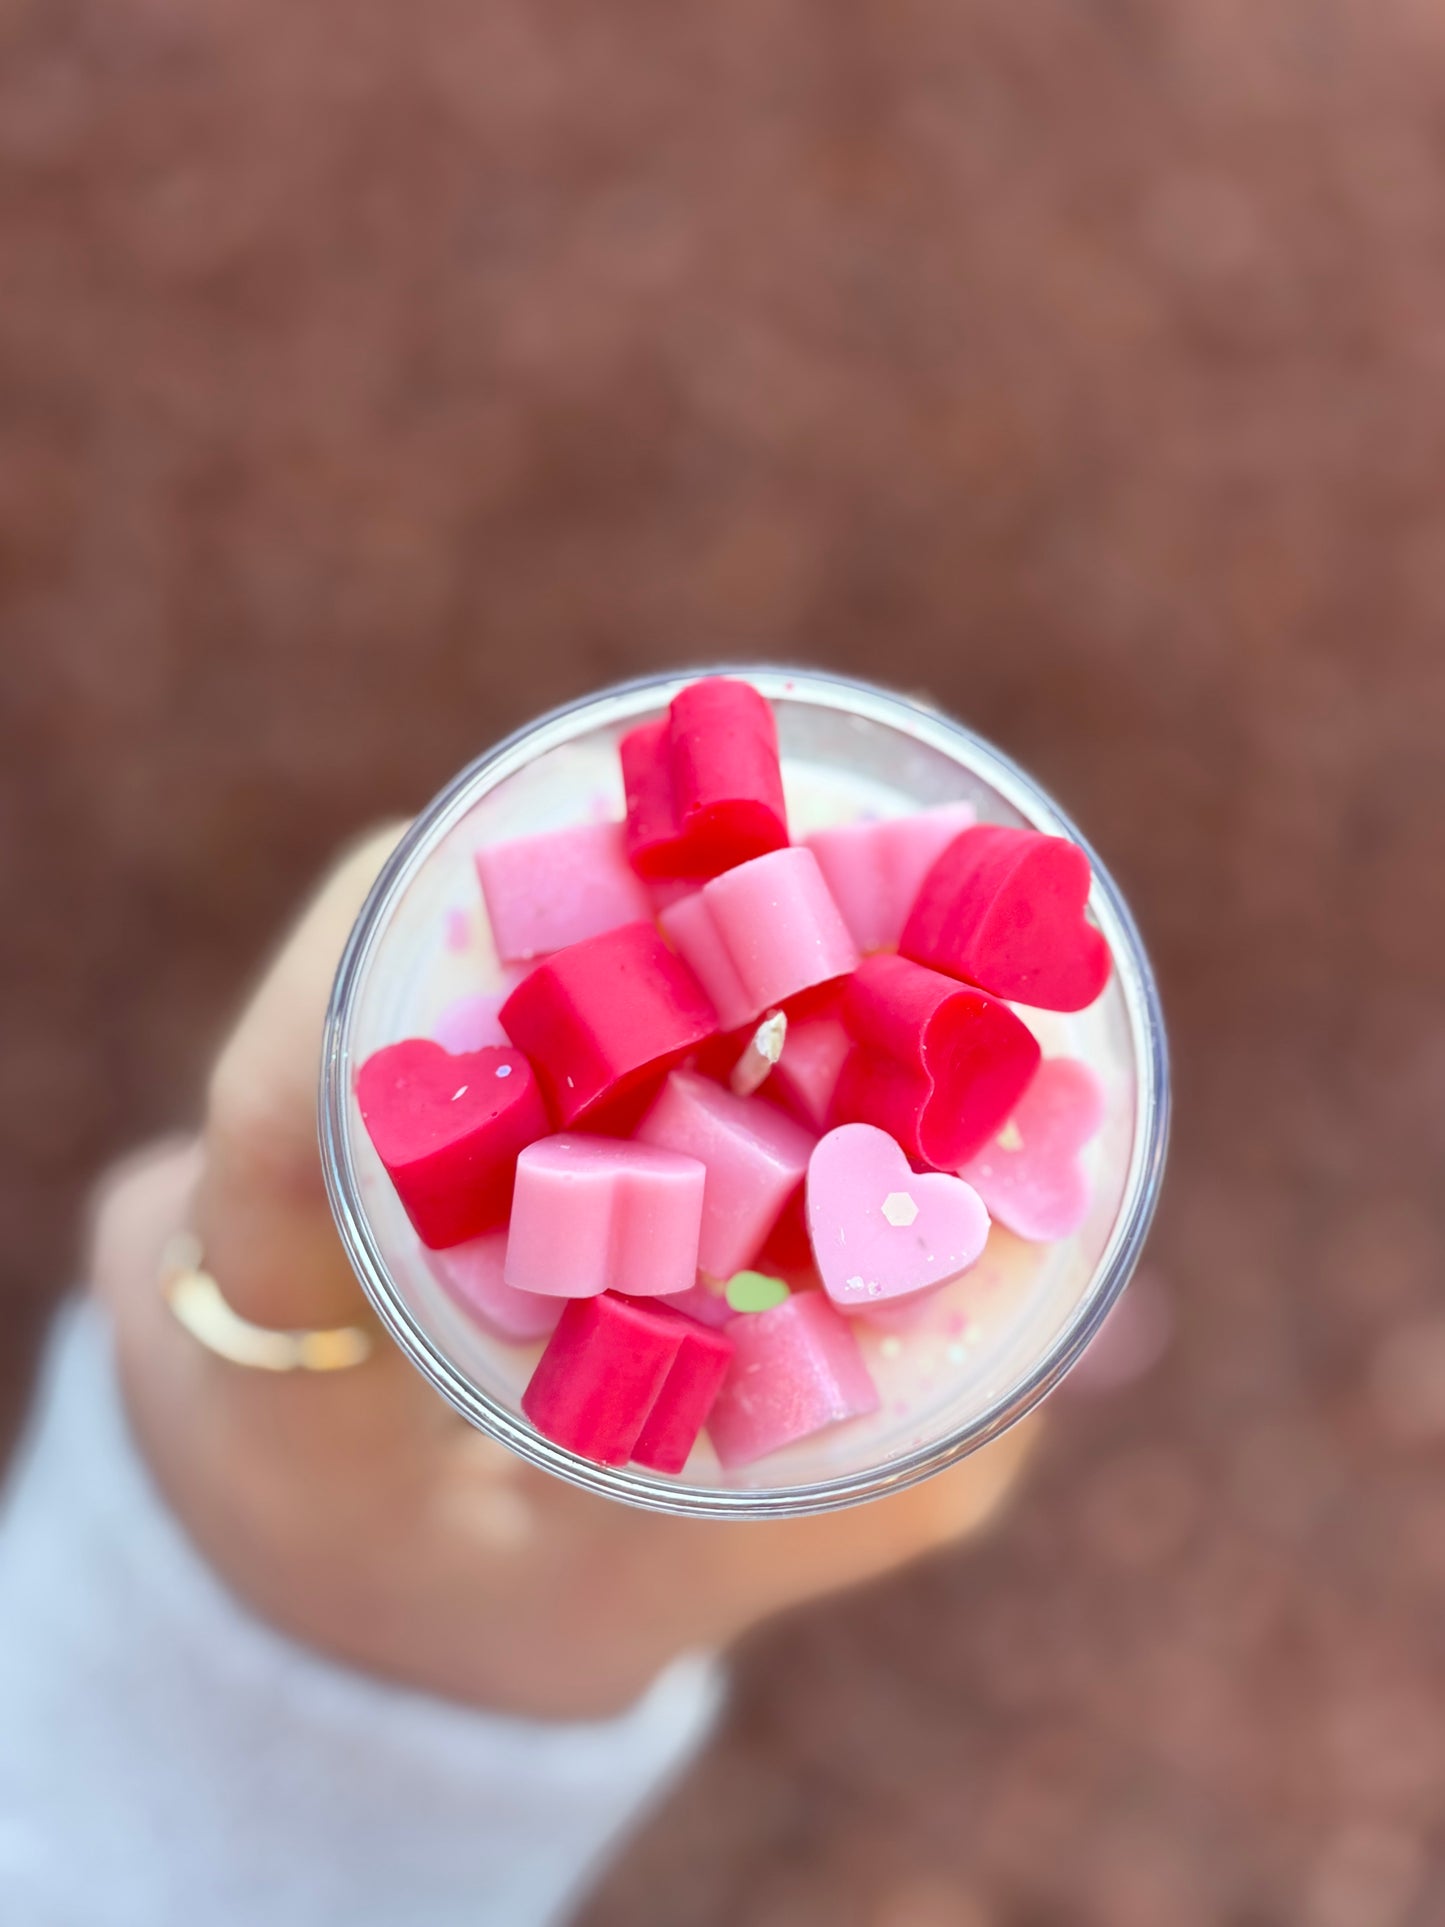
(448, 1129)
(704, 789)
(937, 1064)
(1004, 909)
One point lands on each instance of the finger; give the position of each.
(788, 1562)
(136, 1205)
(261, 1210)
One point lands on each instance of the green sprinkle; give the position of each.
(753, 1291)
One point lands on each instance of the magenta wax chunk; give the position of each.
(875, 870)
(936, 1064)
(1005, 909)
(603, 1016)
(448, 1129)
(545, 892)
(600, 1376)
(760, 933)
(704, 790)
(595, 1214)
(755, 1159)
(688, 1393)
(795, 1369)
(472, 1274)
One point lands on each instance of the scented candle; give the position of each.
(950, 1365)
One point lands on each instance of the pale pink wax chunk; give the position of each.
(806, 1075)
(754, 1156)
(593, 1214)
(876, 869)
(472, 1274)
(759, 934)
(795, 1369)
(545, 892)
(708, 1307)
(1030, 1176)
(471, 1024)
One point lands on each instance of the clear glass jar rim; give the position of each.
(625, 702)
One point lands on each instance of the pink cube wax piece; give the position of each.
(448, 1130)
(596, 1383)
(755, 1159)
(688, 1393)
(471, 1023)
(704, 789)
(761, 933)
(472, 1274)
(806, 1075)
(595, 1214)
(701, 1302)
(604, 1015)
(875, 870)
(545, 892)
(795, 1369)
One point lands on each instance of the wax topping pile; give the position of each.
(745, 1093)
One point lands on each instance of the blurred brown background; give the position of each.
(374, 374)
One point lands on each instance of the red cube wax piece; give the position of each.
(787, 1252)
(936, 1064)
(1004, 909)
(604, 1015)
(687, 1396)
(599, 1378)
(448, 1129)
(704, 791)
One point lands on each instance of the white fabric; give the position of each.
(167, 1760)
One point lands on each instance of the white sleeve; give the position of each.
(168, 1759)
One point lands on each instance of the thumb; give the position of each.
(261, 1210)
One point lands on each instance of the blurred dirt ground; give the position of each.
(372, 375)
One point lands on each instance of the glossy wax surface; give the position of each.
(973, 1349)
(594, 1214)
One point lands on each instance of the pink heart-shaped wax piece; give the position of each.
(1005, 909)
(1030, 1176)
(881, 1231)
(448, 1128)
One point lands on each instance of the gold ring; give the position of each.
(197, 1303)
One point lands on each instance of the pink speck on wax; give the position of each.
(459, 930)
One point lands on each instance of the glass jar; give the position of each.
(952, 1372)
